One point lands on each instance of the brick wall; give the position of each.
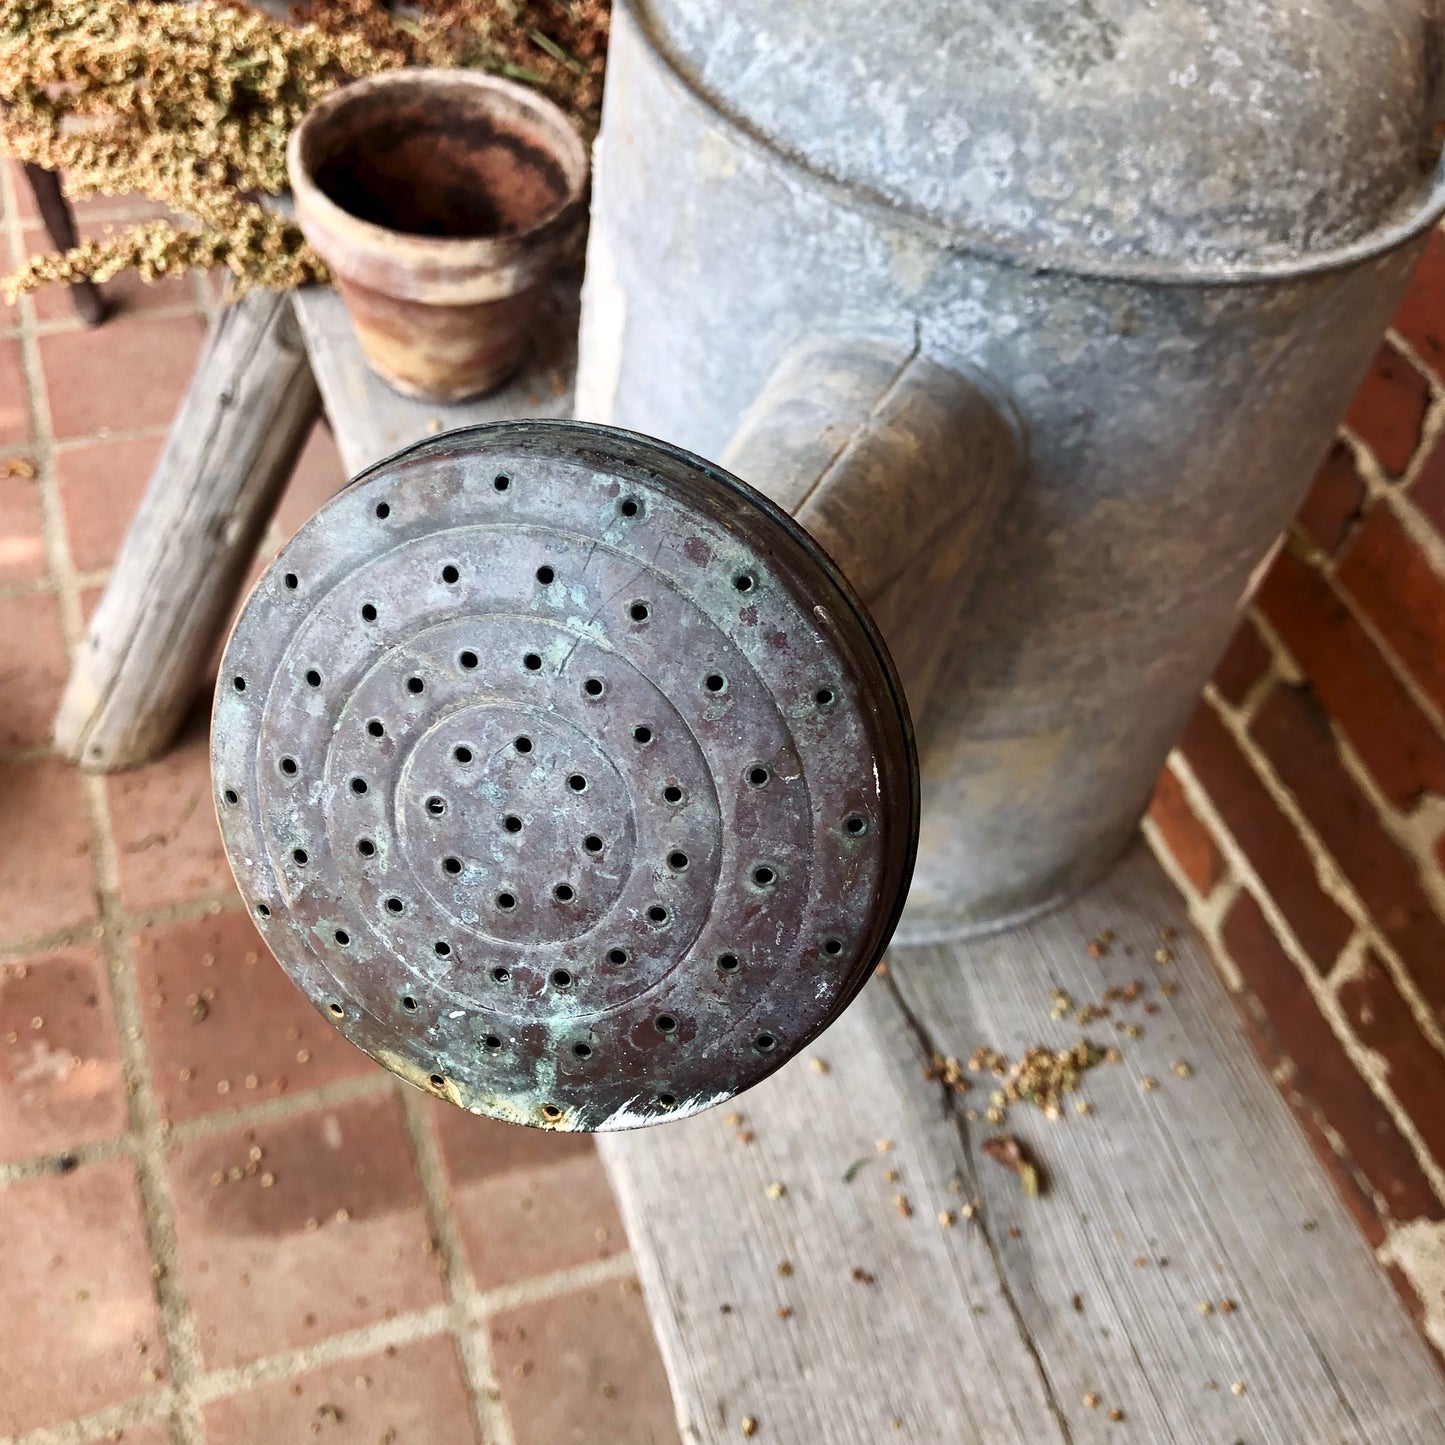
(1303, 812)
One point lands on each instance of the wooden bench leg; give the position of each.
(60, 224)
(229, 455)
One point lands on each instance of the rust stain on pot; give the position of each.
(441, 200)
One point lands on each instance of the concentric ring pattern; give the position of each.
(564, 774)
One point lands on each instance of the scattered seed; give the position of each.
(884, 1146)
(267, 1180)
(750, 1426)
(733, 1121)
(1148, 1083)
(1083, 1106)
(785, 1268)
(223, 1086)
(904, 1208)
(745, 1136)
(776, 1190)
(785, 1312)
(1237, 1388)
(1181, 1070)
(947, 1218)
(1004, 1149)
(861, 1275)
(343, 1215)
(891, 1176)
(217, 1179)
(818, 1066)
(187, 1075)
(1227, 1306)
(1116, 1415)
(1091, 1401)
(1205, 1307)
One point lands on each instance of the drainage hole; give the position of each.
(502, 483)
(467, 660)
(641, 734)
(577, 783)
(491, 1041)
(239, 683)
(667, 1100)
(593, 687)
(336, 1010)
(583, 1051)
(409, 1004)
(365, 847)
(523, 744)
(288, 766)
(383, 511)
(564, 893)
(825, 697)
(436, 806)
(617, 957)
(443, 948)
(629, 507)
(415, 685)
(506, 901)
(657, 914)
(437, 1082)
(677, 861)
(301, 856)
(342, 937)
(728, 962)
(764, 876)
(358, 786)
(512, 823)
(592, 843)
(292, 581)
(832, 947)
(376, 728)
(231, 797)
(552, 1112)
(313, 678)
(744, 581)
(394, 905)
(368, 612)
(450, 575)
(672, 793)
(715, 682)
(758, 776)
(856, 825)
(546, 576)
(452, 865)
(765, 1043)
(500, 975)
(561, 978)
(666, 1024)
(462, 754)
(263, 910)
(532, 662)
(639, 612)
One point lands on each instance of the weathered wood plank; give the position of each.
(969, 1333)
(231, 448)
(372, 421)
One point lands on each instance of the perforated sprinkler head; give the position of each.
(565, 775)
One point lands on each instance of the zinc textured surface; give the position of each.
(462, 1281)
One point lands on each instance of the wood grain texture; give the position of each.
(231, 448)
(968, 1334)
(371, 421)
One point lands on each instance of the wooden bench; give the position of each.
(1187, 1263)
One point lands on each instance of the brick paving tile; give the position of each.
(1189, 841)
(33, 668)
(1420, 318)
(583, 1369)
(167, 845)
(410, 1394)
(1389, 409)
(60, 1076)
(319, 475)
(122, 376)
(526, 1201)
(22, 538)
(82, 1329)
(14, 399)
(100, 488)
(1245, 661)
(337, 1239)
(46, 882)
(224, 1026)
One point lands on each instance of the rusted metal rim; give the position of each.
(566, 775)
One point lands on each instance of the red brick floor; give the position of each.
(222, 1225)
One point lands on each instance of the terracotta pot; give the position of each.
(441, 200)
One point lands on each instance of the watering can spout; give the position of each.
(899, 465)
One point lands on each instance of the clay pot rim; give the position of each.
(439, 269)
